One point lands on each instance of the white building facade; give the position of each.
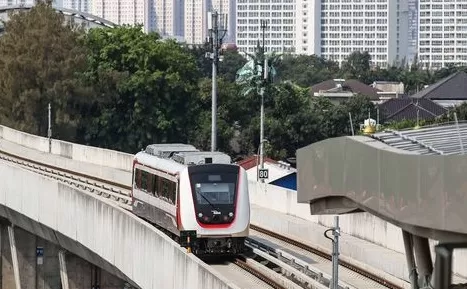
(442, 38)
(164, 16)
(16, 2)
(120, 11)
(413, 31)
(227, 8)
(280, 31)
(334, 29)
(80, 5)
(196, 21)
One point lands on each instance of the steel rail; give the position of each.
(325, 255)
(255, 272)
(104, 188)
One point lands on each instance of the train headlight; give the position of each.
(231, 214)
(200, 215)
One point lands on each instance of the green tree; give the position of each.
(232, 112)
(203, 63)
(357, 66)
(338, 118)
(290, 121)
(147, 89)
(231, 63)
(306, 70)
(40, 59)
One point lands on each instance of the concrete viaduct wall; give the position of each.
(100, 232)
(361, 225)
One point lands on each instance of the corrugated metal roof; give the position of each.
(433, 140)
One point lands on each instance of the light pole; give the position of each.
(49, 130)
(257, 167)
(217, 31)
(335, 252)
(263, 88)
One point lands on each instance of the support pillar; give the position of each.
(423, 257)
(409, 255)
(96, 277)
(14, 255)
(443, 266)
(63, 271)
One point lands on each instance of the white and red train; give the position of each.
(198, 198)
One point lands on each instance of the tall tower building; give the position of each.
(164, 16)
(120, 11)
(16, 2)
(80, 5)
(280, 16)
(228, 8)
(442, 38)
(195, 26)
(336, 28)
(413, 30)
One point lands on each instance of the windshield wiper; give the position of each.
(199, 193)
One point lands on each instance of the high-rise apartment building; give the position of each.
(164, 16)
(196, 21)
(80, 5)
(413, 30)
(336, 28)
(120, 11)
(280, 16)
(442, 38)
(227, 8)
(16, 2)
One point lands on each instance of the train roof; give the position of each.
(173, 158)
(166, 165)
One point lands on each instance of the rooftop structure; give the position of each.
(447, 139)
(414, 179)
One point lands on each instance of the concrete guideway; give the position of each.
(283, 214)
(101, 233)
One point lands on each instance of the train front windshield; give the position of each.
(214, 189)
(220, 190)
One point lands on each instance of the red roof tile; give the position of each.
(253, 161)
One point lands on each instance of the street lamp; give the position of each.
(335, 252)
(265, 75)
(217, 25)
(262, 165)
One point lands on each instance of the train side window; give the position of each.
(138, 178)
(150, 184)
(154, 182)
(165, 189)
(172, 190)
(144, 180)
(156, 187)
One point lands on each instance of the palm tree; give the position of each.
(251, 75)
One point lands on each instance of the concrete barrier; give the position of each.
(141, 253)
(77, 152)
